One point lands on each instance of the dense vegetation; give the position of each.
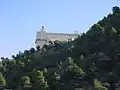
(92, 61)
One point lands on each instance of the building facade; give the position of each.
(44, 37)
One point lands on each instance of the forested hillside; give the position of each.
(92, 61)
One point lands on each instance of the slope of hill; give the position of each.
(91, 61)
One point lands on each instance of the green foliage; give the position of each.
(98, 86)
(2, 80)
(25, 80)
(116, 9)
(90, 61)
(117, 88)
(39, 81)
(21, 64)
(32, 50)
(38, 48)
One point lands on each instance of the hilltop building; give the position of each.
(43, 37)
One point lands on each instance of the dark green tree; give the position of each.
(2, 81)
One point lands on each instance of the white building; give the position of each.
(44, 37)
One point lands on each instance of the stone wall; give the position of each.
(61, 37)
(43, 37)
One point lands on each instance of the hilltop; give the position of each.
(90, 61)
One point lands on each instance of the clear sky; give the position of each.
(20, 19)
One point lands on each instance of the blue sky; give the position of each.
(20, 19)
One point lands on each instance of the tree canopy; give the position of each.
(91, 61)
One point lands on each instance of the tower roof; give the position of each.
(43, 27)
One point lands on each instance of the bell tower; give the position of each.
(41, 37)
